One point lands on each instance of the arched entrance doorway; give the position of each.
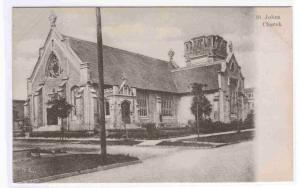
(125, 108)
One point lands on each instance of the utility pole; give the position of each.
(101, 86)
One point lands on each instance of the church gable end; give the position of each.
(55, 62)
(233, 68)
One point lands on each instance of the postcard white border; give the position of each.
(6, 77)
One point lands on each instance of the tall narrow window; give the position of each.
(232, 66)
(142, 99)
(233, 95)
(167, 105)
(107, 108)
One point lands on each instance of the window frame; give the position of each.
(143, 96)
(167, 105)
(107, 105)
(60, 69)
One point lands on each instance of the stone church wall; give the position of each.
(236, 74)
(49, 85)
(184, 108)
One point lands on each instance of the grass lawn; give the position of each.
(38, 167)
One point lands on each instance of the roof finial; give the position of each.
(171, 54)
(230, 47)
(123, 76)
(52, 18)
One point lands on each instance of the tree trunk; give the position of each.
(62, 128)
(101, 86)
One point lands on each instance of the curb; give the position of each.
(86, 171)
(70, 141)
(195, 147)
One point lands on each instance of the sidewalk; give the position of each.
(143, 142)
(155, 142)
(206, 135)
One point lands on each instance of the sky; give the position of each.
(148, 31)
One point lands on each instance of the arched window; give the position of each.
(53, 69)
(233, 95)
(209, 41)
(232, 66)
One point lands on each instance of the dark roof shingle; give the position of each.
(205, 74)
(141, 71)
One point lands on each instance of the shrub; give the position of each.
(237, 125)
(174, 131)
(249, 121)
(27, 125)
(69, 134)
(207, 126)
(151, 130)
(139, 133)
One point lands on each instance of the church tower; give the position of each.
(205, 49)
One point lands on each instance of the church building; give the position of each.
(138, 89)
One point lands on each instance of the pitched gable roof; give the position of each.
(141, 71)
(203, 74)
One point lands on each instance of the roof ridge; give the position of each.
(198, 66)
(114, 48)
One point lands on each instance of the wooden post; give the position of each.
(101, 86)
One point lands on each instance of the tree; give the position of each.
(59, 107)
(201, 107)
(249, 121)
